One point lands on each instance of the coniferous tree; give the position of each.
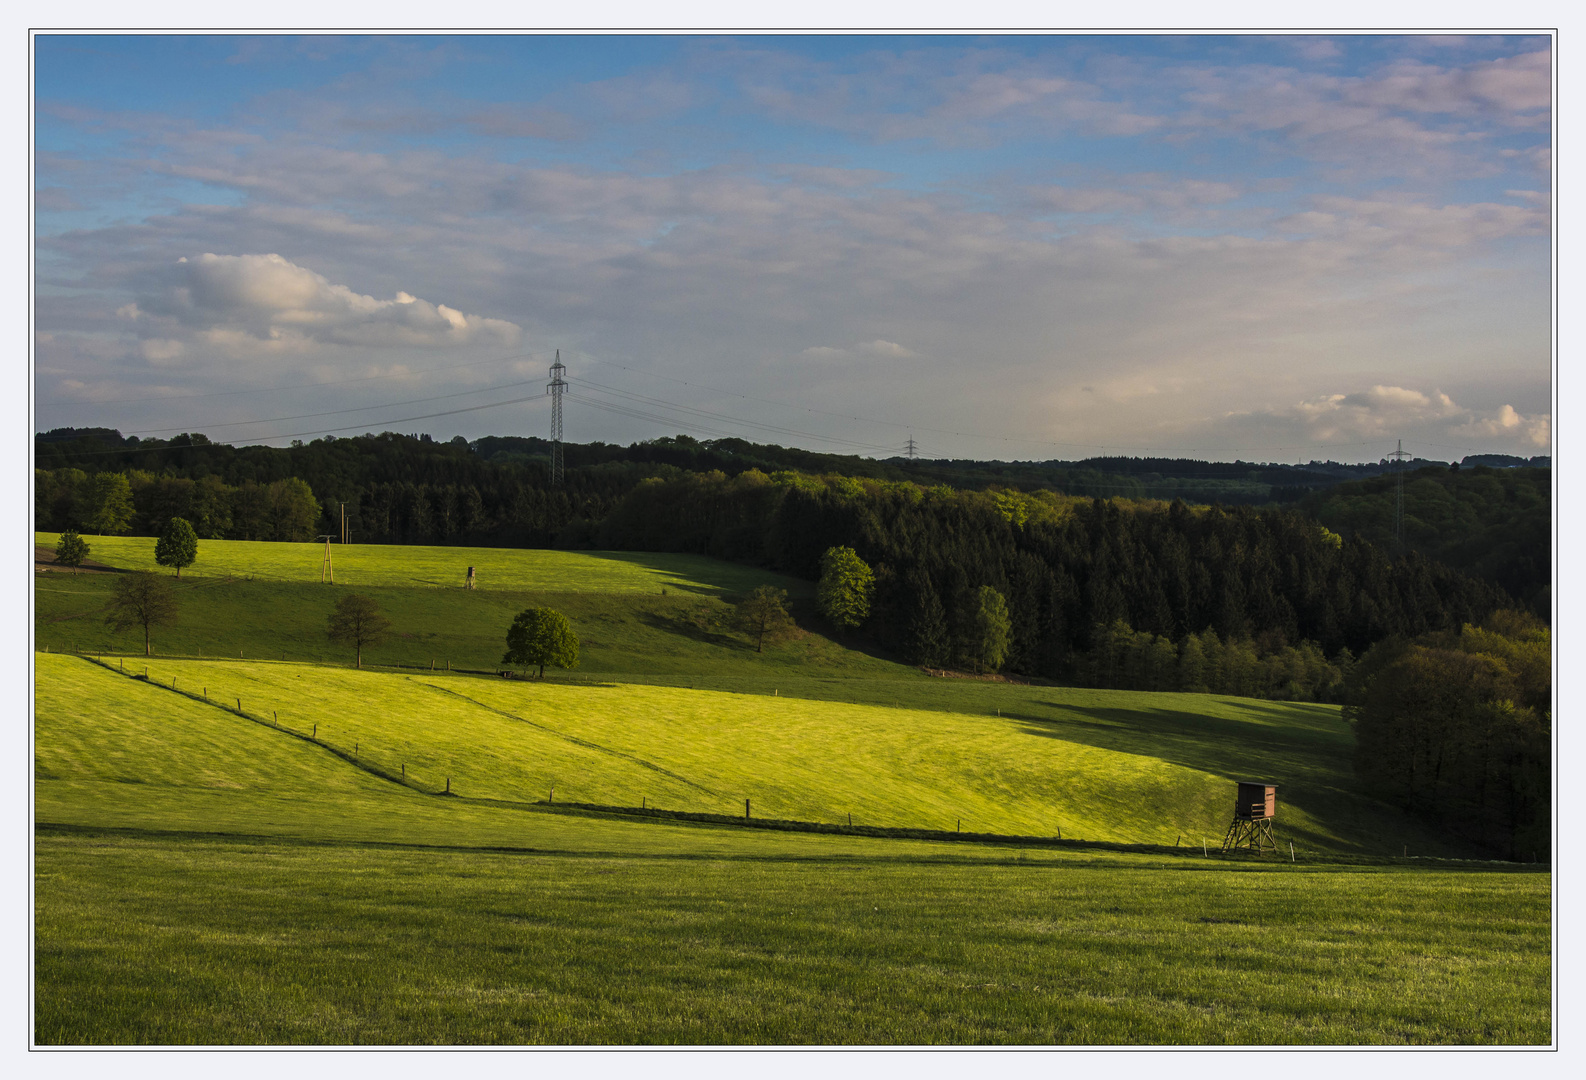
(928, 637)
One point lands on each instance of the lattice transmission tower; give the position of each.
(1398, 457)
(911, 449)
(555, 388)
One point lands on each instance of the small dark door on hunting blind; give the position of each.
(1255, 806)
(1257, 799)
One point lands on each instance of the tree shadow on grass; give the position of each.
(684, 627)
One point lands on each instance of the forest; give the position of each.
(1282, 597)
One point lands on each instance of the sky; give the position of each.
(1016, 247)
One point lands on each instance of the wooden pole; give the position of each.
(746, 809)
(1291, 851)
(316, 732)
(448, 785)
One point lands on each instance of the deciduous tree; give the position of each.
(71, 550)
(845, 587)
(357, 621)
(763, 615)
(108, 504)
(178, 547)
(990, 630)
(141, 598)
(541, 636)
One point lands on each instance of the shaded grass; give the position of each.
(157, 940)
(630, 633)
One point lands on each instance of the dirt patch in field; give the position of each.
(44, 563)
(947, 673)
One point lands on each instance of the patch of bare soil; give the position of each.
(44, 563)
(947, 673)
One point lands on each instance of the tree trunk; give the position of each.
(358, 652)
(146, 649)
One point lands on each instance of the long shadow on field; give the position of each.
(1311, 764)
(683, 627)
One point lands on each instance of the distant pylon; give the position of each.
(1398, 457)
(911, 448)
(555, 388)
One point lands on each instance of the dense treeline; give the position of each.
(1257, 584)
(395, 488)
(1456, 727)
(1495, 523)
(1069, 568)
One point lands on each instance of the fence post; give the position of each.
(746, 809)
(448, 785)
(316, 732)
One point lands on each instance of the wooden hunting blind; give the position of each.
(1255, 807)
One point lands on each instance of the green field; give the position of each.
(513, 569)
(205, 877)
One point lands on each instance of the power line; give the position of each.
(333, 431)
(333, 412)
(298, 386)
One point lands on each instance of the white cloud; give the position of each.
(1384, 412)
(235, 300)
(884, 348)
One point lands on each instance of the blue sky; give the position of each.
(1271, 248)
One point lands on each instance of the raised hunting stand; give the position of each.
(1254, 808)
(470, 583)
(325, 569)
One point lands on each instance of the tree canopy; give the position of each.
(108, 504)
(71, 550)
(1456, 727)
(540, 637)
(141, 599)
(178, 546)
(845, 587)
(358, 621)
(763, 615)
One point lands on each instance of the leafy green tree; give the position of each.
(178, 547)
(990, 630)
(108, 504)
(357, 621)
(763, 615)
(71, 550)
(141, 598)
(541, 636)
(846, 584)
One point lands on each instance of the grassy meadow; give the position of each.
(362, 566)
(204, 877)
